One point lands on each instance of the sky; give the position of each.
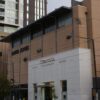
(53, 4)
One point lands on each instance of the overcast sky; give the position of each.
(53, 4)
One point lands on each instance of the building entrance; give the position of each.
(47, 93)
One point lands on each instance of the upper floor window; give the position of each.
(2, 1)
(16, 43)
(0, 53)
(64, 89)
(26, 38)
(50, 28)
(37, 34)
(64, 20)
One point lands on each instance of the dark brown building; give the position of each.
(33, 10)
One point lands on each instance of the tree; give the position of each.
(5, 86)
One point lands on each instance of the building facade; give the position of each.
(15, 14)
(11, 15)
(61, 76)
(33, 10)
(62, 30)
(4, 49)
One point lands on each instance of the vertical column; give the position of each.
(58, 90)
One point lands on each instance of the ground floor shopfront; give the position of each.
(19, 92)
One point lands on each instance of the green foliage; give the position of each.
(5, 86)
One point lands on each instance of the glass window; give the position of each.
(26, 38)
(0, 53)
(2, 1)
(64, 89)
(64, 85)
(35, 91)
(64, 20)
(50, 28)
(37, 34)
(16, 43)
(39, 8)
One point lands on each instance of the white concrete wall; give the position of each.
(73, 66)
(85, 74)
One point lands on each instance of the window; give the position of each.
(35, 91)
(25, 38)
(16, 43)
(1, 10)
(1, 18)
(50, 28)
(64, 89)
(2, 1)
(64, 20)
(37, 34)
(16, 0)
(64, 85)
(16, 14)
(0, 53)
(16, 6)
(16, 21)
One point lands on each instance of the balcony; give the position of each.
(2, 6)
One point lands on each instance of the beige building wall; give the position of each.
(93, 19)
(4, 48)
(80, 26)
(57, 41)
(52, 42)
(49, 43)
(63, 43)
(3, 58)
(36, 44)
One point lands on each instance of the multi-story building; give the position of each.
(11, 15)
(15, 14)
(60, 31)
(33, 10)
